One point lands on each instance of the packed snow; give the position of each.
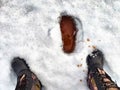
(30, 29)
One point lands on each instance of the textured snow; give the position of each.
(30, 29)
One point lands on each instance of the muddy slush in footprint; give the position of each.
(68, 32)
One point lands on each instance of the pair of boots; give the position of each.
(97, 78)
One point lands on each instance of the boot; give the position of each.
(26, 79)
(97, 78)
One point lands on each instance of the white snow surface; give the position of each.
(30, 29)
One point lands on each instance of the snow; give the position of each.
(30, 29)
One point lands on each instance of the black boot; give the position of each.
(26, 80)
(97, 78)
(18, 65)
(95, 60)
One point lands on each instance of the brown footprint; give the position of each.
(68, 32)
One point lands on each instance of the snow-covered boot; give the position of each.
(26, 79)
(97, 78)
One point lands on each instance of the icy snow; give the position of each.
(30, 29)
